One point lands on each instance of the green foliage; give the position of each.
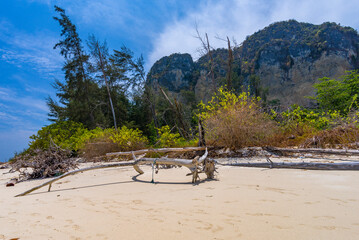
(129, 139)
(223, 100)
(235, 121)
(338, 95)
(65, 134)
(74, 136)
(298, 116)
(78, 93)
(84, 95)
(169, 139)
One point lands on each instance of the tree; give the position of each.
(338, 94)
(133, 68)
(77, 95)
(206, 49)
(229, 65)
(100, 54)
(135, 79)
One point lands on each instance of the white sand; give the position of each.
(245, 203)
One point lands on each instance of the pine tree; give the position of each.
(77, 95)
(99, 53)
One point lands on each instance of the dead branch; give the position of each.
(43, 163)
(313, 150)
(185, 149)
(229, 65)
(122, 164)
(301, 165)
(176, 107)
(207, 50)
(193, 165)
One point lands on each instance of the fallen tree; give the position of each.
(142, 151)
(196, 166)
(299, 165)
(331, 151)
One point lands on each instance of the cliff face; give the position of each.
(173, 72)
(287, 57)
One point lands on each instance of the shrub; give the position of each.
(299, 117)
(317, 128)
(129, 139)
(89, 143)
(236, 121)
(65, 134)
(97, 142)
(346, 135)
(338, 94)
(168, 139)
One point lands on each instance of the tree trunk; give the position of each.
(313, 150)
(301, 165)
(192, 164)
(185, 149)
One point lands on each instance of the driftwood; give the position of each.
(122, 164)
(185, 149)
(44, 163)
(314, 150)
(193, 165)
(300, 165)
(196, 165)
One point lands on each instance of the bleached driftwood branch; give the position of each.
(193, 165)
(185, 149)
(301, 165)
(122, 164)
(314, 150)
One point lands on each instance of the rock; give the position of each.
(280, 62)
(12, 182)
(173, 72)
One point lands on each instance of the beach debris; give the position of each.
(286, 151)
(43, 163)
(12, 182)
(4, 165)
(196, 166)
(157, 150)
(298, 165)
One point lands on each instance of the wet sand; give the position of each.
(244, 203)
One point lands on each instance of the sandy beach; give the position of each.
(244, 203)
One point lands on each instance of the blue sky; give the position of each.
(154, 28)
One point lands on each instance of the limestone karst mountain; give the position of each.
(281, 63)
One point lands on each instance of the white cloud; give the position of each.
(35, 50)
(240, 18)
(8, 95)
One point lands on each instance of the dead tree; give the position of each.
(157, 150)
(286, 151)
(176, 107)
(201, 133)
(207, 50)
(196, 166)
(299, 165)
(229, 65)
